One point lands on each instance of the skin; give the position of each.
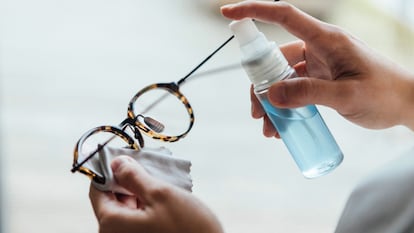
(336, 69)
(156, 207)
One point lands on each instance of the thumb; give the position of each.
(132, 176)
(298, 92)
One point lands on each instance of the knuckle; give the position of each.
(126, 171)
(311, 89)
(305, 88)
(287, 10)
(161, 193)
(126, 175)
(337, 35)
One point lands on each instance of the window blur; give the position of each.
(67, 66)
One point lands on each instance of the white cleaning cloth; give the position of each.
(158, 162)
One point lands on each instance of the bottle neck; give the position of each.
(288, 73)
(267, 67)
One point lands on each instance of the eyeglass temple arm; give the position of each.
(206, 59)
(75, 168)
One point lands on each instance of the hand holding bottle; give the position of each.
(339, 71)
(302, 129)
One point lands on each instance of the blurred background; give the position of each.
(68, 66)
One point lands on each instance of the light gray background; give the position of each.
(67, 66)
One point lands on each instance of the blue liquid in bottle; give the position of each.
(303, 130)
(306, 136)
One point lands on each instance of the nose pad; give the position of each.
(154, 124)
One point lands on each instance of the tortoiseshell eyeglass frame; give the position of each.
(136, 126)
(77, 166)
(172, 88)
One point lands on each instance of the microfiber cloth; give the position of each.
(158, 162)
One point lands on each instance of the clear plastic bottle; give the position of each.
(303, 130)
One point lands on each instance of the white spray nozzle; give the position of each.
(251, 40)
(245, 30)
(261, 59)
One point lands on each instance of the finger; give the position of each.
(257, 110)
(268, 129)
(128, 201)
(277, 135)
(301, 69)
(299, 92)
(294, 52)
(292, 19)
(112, 215)
(100, 201)
(132, 176)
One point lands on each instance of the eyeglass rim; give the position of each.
(109, 129)
(173, 88)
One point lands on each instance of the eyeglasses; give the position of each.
(168, 123)
(159, 111)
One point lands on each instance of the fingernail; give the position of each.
(226, 7)
(277, 94)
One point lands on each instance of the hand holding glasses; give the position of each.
(169, 122)
(159, 110)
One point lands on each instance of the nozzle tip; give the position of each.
(245, 30)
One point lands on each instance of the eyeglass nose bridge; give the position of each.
(131, 123)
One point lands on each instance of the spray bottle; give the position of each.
(302, 129)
